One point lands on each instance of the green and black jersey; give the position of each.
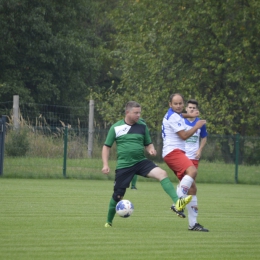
(130, 141)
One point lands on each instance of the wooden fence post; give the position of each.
(16, 123)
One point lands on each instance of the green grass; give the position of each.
(35, 167)
(64, 219)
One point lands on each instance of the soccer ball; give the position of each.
(124, 208)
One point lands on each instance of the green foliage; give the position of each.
(251, 152)
(47, 50)
(205, 50)
(120, 50)
(17, 142)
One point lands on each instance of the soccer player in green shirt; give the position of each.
(131, 136)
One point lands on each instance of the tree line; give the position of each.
(67, 52)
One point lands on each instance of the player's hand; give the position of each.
(152, 152)
(105, 170)
(198, 154)
(200, 123)
(194, 113)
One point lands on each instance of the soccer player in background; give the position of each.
(133, 183)
(174, 136)
(131, 136)
(193, 148)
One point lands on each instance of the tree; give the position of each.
(223, 62)
(48, 50)
(204, 49)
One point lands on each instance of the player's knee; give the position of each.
(118, 194)
(162, 174)
(192, 172)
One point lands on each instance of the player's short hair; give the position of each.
(175, 94)
(130, 104)
(193, 101)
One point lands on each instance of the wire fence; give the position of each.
(37, 149)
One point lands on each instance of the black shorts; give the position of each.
(124, 176)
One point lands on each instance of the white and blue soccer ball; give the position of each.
(124, 208)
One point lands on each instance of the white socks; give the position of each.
(192, 208)
(185, 185)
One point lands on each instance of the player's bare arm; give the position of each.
(202, 144)
(151, 150)
(105, 156)
(184, 135)
(192, 114)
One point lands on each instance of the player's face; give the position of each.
(191, 108)
(133, 115)
(177, 104)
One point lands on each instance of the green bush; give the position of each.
(17, 142)
(251, 151)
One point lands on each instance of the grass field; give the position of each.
(64, 219)
(37, 168)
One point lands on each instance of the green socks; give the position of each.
(169, 189)
(167, 186)
(134, 180)
(111, 211)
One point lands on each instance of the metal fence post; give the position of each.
(2, 143)
(237, 157)
(65, 151)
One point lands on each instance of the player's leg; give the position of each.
(149, 169)
(178, 162)
(123, 178)
(116, 197)
(111, 212)
(161, 175)
(133, 182)
(192, 207)
(188, 179)
(183, 167)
